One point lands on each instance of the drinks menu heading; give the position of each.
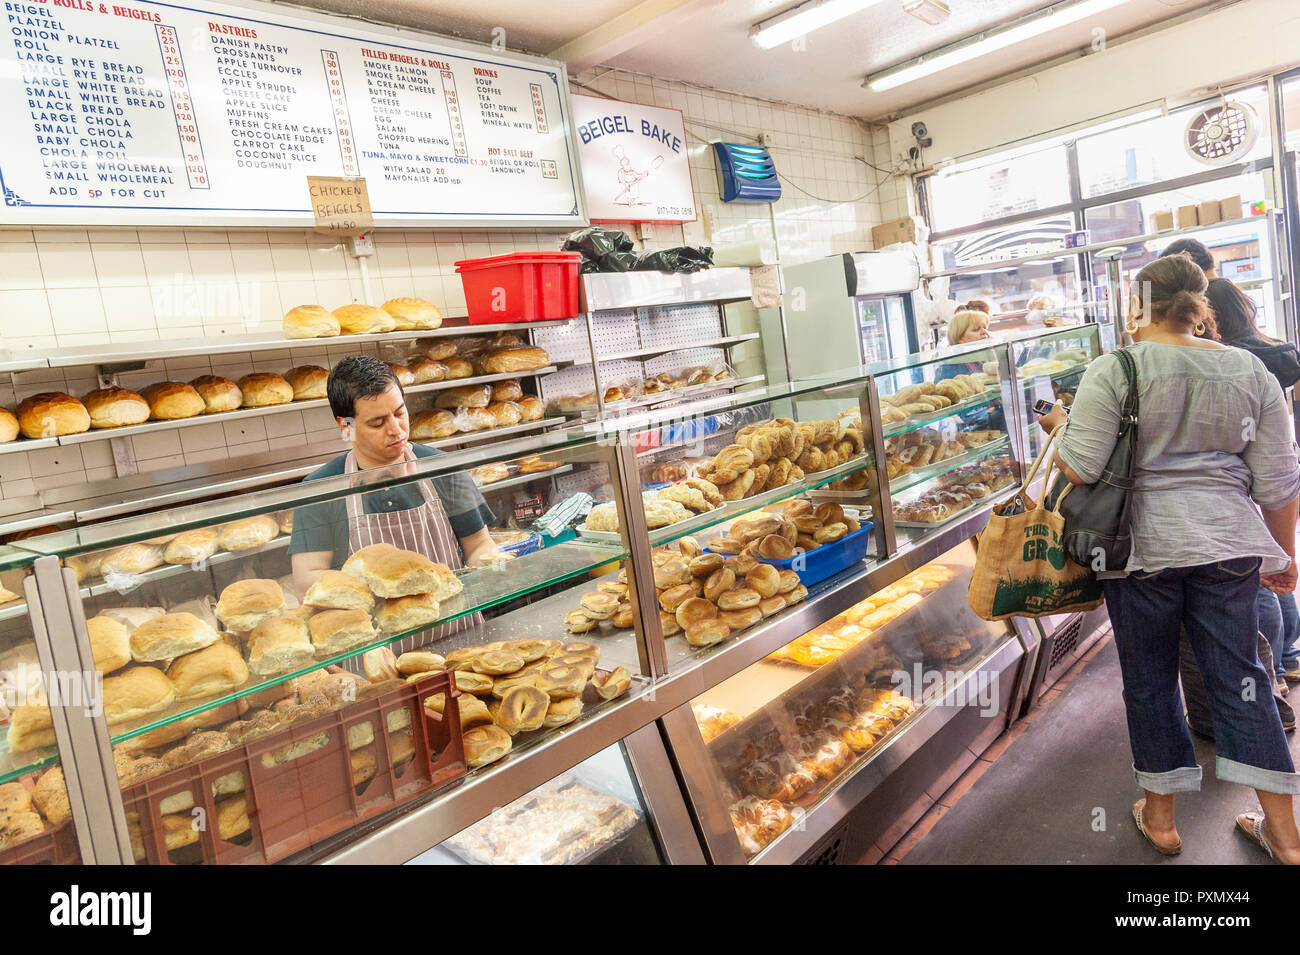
(141, 112)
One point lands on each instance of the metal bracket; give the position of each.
(640, 578)
(882, 505)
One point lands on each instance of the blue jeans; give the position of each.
(1215, 605)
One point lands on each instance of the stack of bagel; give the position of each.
(780, 452)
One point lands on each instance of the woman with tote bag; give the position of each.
(1213, 444)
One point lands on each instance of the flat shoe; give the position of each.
(1163, 848)
(1251, 825)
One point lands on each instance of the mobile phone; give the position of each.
(1043, 406)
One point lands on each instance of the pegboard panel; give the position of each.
(567, 343)
(666, 325)
(686, 359)
(622, 373)
(586, 479)
(567, 381)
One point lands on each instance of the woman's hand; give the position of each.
(1054, 418)
(1281, 583)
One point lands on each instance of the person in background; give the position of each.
(968, 325)
(1211, 511)
(1197, 252)
(979, 305)
(1279, 618)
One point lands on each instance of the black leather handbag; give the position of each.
(1097, 527)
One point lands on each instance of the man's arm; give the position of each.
(477, 547)
(307, 567)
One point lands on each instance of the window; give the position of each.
(1000, 187)
(1152, 151)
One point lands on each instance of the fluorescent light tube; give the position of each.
(803, 19)
(990, 42)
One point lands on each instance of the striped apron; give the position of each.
(424, 529)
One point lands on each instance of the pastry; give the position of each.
(523, 709)
(613, 684)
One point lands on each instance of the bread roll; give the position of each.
(131, 559)
(485, 744)
(192, 546)
(433, 426)
(476, 419)
(310, 321)
(420, 661)
(307, 382)
(364, 320)
(115, 408)
(173, 400)
(442, 349)
(335, 590)
(530, 408)
(507, 391)
(427, 370)
(218, 668)
(246, 603)
(110, 642)
(334, 631)
(31, 725)
(8, 426)
(248, 533)
(170, 635)
(218, 715)
(508, 360)
(51, 414)
(135, 693)
(391, 572)
(458, 368)
(51, 797)
(506, 413)
(278, 644)
(412, 314)
(403, 374)
(465, 396)
(219, 394)
(407, 613)
(263, 389)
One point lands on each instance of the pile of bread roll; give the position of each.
(928, 397)
(677, 502)
(395, 315)
(780, 452)
(531, 685)
(467, 408)
(957, 491)
(705, 596)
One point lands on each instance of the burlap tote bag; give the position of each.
(1021, 566)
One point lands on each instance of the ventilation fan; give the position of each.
(1222, 133)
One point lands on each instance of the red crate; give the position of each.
(307, 798)
(56, 846)
(521, 287)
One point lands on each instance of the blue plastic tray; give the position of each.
(816, 565)
(533, 543)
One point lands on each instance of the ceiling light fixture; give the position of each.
(802, 19)
(982, 44)
(932, 12)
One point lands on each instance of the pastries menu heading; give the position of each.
(139, 112)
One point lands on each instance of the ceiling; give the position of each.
(706, 41)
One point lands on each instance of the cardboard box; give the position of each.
(1207, 213)
(908, 229)
(1185, 216)
(1230, 209)
(1162, 219)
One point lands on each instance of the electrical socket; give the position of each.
(360, 245)
(645, 230)
(765, 139)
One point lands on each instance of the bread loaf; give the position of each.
(8, 426)
(508, 360)
(248, 533)
(334, 631)
(170, 635)
(51, 414)
(173, 400)
(135, 693)
(219, 394)
(192, 546)
(218, 668)
(31, 725)
(427, 370)
(131, 559)
(530, 408)
(407, 613)
(411, 314)
(263, 389)
(310, 321)
(307, 382)
(278, 644)
(465, 396)
(364, 320)
(442, 349)
(391, 572)
(246, 603)
(110, 643)
(433, 426)
(506, 413)
(403, 374)
(115, 408)
(507, 390)
(335, 590)
(51, 797)
(458, 368)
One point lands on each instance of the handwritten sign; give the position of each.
(341, 206)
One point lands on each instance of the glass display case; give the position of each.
(1049, 368)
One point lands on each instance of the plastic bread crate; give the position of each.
(302, 784)
(521, 286)
(56, 846)
(816, 565)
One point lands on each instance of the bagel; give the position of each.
(612, 587)
(673, 597)
(557, 682)
(764, 578)
(738, 598)
(529, 650)
(523, 709)
(796, 595)
(672, 572)
(705, 633)
(831, 532)
(561, 712)
(724, 545)
(689, 546)
(775, 547)
(419, 661)
(577, 646)
(668, 623)
(705, 564)
(613, 684)
(696, 610)
(719, 582)
(624, 618)
(503, 684)
(740, 619)
(789, 581)
(577, 621)
(498, 662)
(582, 661)
(485, 744)
(598, 605)
(771, 605)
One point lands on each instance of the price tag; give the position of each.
(341, 206)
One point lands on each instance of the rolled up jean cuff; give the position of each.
(1269, 780)
(1185, 779)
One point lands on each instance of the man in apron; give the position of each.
(444, 518)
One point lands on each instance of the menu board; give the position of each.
(139, 112)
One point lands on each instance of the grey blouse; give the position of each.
(1214, 435)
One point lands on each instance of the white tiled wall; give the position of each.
(61, 288)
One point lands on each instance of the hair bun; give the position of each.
(1186, 308)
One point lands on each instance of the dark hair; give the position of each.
(1233, 309)
(1195, 250)
(1174, 288)
(977, 305)
(357, 376)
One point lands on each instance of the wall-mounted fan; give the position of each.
(1222, 133)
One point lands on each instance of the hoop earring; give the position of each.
(1200, 328)
(1130, 328)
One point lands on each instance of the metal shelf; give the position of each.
(145, 351)
(151, 426)
(9, 363)
(171, 570)
(473, 437)
(523, 479)
(726, 342)
(28, 444)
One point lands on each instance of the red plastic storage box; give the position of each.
(521, 287)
